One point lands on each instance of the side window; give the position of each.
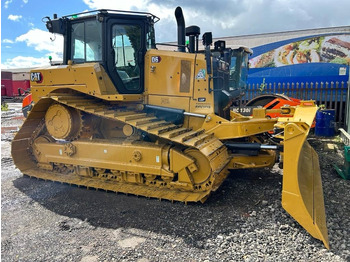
(79, 50)
(86, 42)
(126, 45)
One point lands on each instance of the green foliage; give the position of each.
(4, 107)
(262, 86)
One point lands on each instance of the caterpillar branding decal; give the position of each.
(36, 77)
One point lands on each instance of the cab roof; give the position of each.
(110, 11)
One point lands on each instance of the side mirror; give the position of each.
(207, 40)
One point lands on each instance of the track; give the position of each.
(207, 157)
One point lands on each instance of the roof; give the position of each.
(17, 70)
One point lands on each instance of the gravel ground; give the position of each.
(242, 221)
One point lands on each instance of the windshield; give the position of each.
(86, 43)
(244, 71)
(238, 70)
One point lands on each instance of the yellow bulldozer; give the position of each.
(121, 115)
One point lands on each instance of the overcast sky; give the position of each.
(25, 41)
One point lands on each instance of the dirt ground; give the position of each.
(242, 221)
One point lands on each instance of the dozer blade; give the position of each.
(302, 194)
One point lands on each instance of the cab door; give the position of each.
(125, 55)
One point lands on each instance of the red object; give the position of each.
(275, 101)
(278, 103)
(10, 82)
(3, 90)
(23, 84)
(8, 89)
(27, 100)
(27, 104)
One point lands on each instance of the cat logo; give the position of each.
(36, 77)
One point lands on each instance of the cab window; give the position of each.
(86, 41)
(126, 42)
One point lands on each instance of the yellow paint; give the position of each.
(178, 102)
(164, 79)
(224, 129)
(198, 157)
(302, 194)
(89, 78)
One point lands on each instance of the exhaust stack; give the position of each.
(181, 39)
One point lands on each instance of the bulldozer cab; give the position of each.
(230, 72)
(116, 39)
(119, 40)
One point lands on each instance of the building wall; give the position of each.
(253, 41)
(310, 58)
(14, 79)
(257, 40)
(20, 76)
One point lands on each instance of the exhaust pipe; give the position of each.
(181, 39)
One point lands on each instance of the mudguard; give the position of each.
(302, 194)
